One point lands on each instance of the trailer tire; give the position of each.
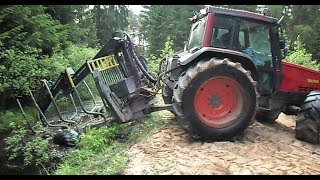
(215, 100)
(308, 119)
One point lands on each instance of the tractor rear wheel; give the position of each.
(308, 120)
(215, 100)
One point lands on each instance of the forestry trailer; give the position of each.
(230, 73)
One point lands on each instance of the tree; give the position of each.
(27, 34)
(160, 21)
(78, 20)
(135, 32)
(303, 22)
(110, 18)
(301, 57)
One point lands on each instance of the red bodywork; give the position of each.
(296, 79)
(299, 79)
(208, 31)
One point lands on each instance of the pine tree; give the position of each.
(108, 19)
(160, 21)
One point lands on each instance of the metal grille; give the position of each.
(108, 67)
(307, 89)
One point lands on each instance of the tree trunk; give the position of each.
(3, 100)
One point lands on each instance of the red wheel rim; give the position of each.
(218, 102)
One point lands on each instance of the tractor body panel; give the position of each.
(299, 79)
(187, 58)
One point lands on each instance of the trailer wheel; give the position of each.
(308, 120)
(215, 100)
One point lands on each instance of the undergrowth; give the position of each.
(105, 150)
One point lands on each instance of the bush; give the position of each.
(35, 150)
(166, 51)
(96, 140)
(301, 57)
(104, 150)
(10, 119)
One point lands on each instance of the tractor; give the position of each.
(230, 73)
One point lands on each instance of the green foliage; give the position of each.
(36, 45)
(31, 27)
(35, 150)
(96, 140)
(38, 151)
(167, 50)
(110, 18)
(303, 21)
(74, 56)
(112, 160)
(301, 57)
(100, 152)
(92, 143)
(13, 118)
(13, 142)
(77, 20)
(160, 21)
(17, 79)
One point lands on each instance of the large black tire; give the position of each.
(222, 126)
(268, 116)
(308, 120)
(67, 137)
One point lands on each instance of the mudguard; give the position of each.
(235, 56)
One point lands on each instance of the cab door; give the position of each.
(255, 41)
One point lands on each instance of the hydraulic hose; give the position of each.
(144, 71)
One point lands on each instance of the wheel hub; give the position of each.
(215, 100)
(218, 102)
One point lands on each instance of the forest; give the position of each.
(39, 41)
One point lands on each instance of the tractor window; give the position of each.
(241, 38)
(258, 42)
(223, 32)
(197, 32)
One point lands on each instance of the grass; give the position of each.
(104, 151)
(9, 119)
(111, 160)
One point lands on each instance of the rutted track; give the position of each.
(265, 149)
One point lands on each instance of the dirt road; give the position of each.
(266, 149)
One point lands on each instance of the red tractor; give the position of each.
(230, 73)
(233, 71)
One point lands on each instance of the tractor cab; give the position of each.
(246, 34)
